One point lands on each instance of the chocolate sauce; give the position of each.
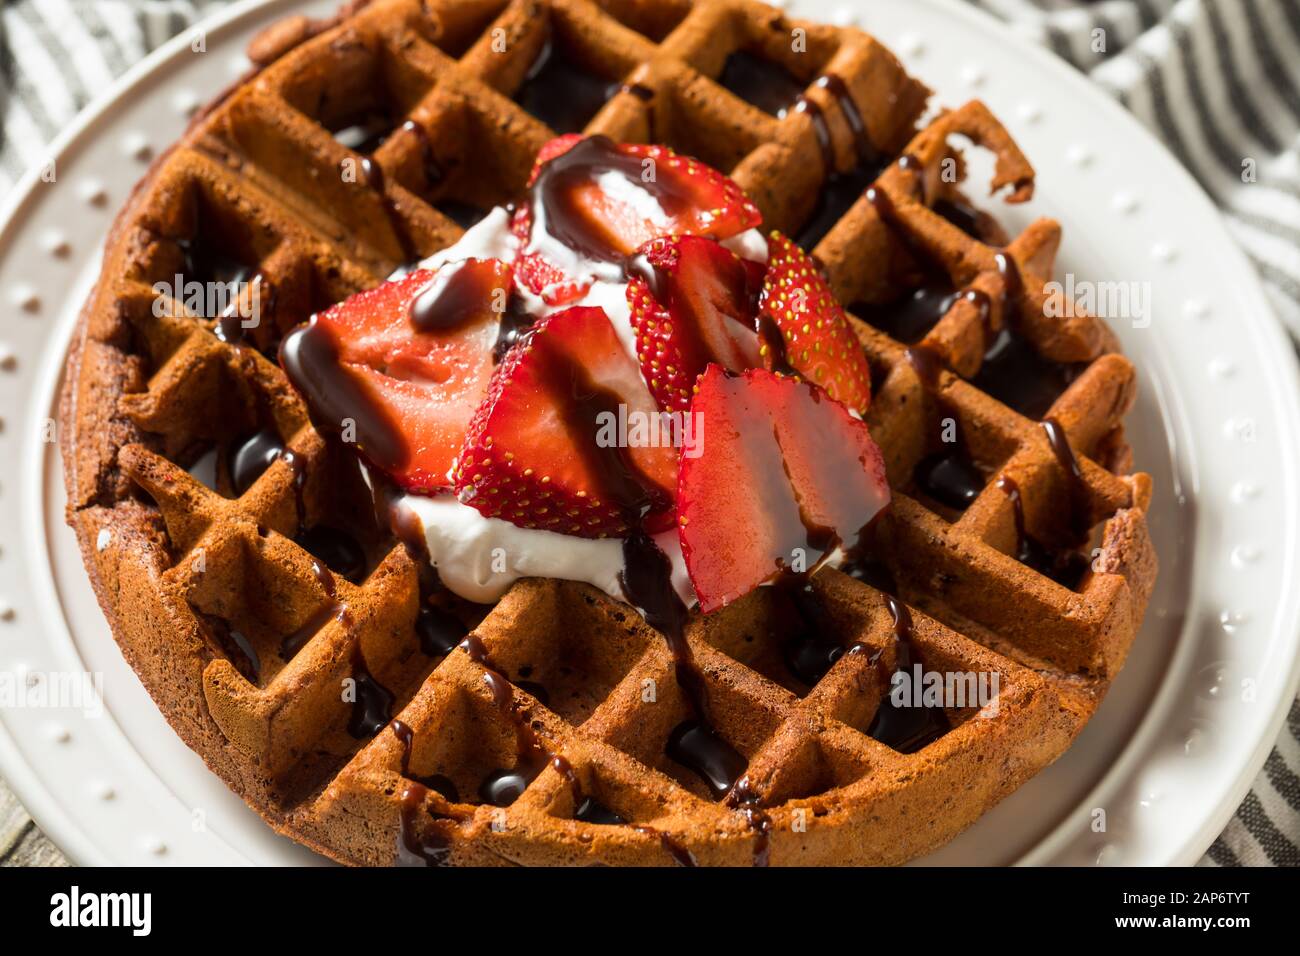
(950, 478)
(207, 261)
(1065, 567)
(909, 318)
(439, 631)
(334, 396)
(252, 456)
(252, 669)
(294, 641)
(773, 345)
(367, 134)
(905, 728)
(1080, 498)
(554, 195)
(962, 215)
(229, 327)
(515, 323)
(744, 798)
(581, 405)
(1017, 376)
(429, 164)
(697, 746)
(589, 810)
(503, 786)
(338, 549)
(413, 849)
(840, 190)
(646, 580)
(927, 363)
(767, 85)
(373, 708)
(459, 293)
(560, 94)
(373, 175)
(435, 782)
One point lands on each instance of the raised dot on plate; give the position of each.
(93, 192)
(1221, 367)
(1030, 112)
(136, 145)
(1244, 554)
(57, 245)
(6, 610)
(59, 734)
(1125, 202)
(909, 44)
(844, 17)
(1211, 682)
(1080, 156)
(104, 791)
(1196, 309)
(1163, 252)
(27, 298)
(8, 361)
(1244, 491)
(1150, 799)
(1232, 619)
(154, 846)
(186, 102)
(973, 76)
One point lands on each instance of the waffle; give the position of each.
(301, 648)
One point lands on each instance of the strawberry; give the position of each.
(537, 453)
(691, 302)
(536, 274)
(602, 200)
(408, 394)
(816, 337)
(784, 470)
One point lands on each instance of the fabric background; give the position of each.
(1218, 81)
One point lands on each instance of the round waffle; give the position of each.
(302, 648)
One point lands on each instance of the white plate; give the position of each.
(1186, 726)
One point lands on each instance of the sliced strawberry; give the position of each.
(601, 200)
(552, 148)
(816, 337)
(536, 274)
(540, 452)
(405, 395)
(785, 476)
(692, 302)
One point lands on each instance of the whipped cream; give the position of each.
(478, 557)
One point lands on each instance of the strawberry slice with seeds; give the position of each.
(404, 394)
(812, 478)
(545, 449)
(591, 202)
(692, 302)
(815, 335)
(536, 274)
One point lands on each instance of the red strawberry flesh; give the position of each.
(593, 202)
(816, 339)
(536, 454)
(405, 395)
(785, 477)
(692, 302)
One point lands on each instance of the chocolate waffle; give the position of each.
(303, 648)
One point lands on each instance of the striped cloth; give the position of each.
(1217, 80)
